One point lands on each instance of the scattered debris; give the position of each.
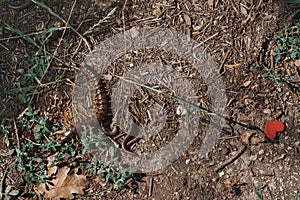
(251, 137)
(231, 185)
(230, 160)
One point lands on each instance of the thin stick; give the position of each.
(64, 32)
(209, 38)
(230, 160)
(150, 187)
(223, 61)
(17, 135)
(168, 95)
(2, 180)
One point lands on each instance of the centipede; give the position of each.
(95, 98)
(103, 109)
(102, 100)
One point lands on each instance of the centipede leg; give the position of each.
(125, 142)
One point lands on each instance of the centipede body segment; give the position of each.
(102, 102)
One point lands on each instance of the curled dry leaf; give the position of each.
(251, 137)
(63, 186)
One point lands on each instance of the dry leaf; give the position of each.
(64, 186)
(187, 20)
(297, 63)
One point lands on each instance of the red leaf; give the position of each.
(273, 127)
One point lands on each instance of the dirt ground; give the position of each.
(239, 35)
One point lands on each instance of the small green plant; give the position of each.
(30, 158)
(35, 121)
(39, 66)
(90, 140)
(297, 195)
(259, 193)
(276, 74)
(31, 155)
(30, 79)
(288, 45)
(8, 191)
(30, 165)
(4, 130)
(293, 3)
(110, 171)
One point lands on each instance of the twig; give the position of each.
(209, 38)
(150, 187)
(174, 170)
(229, 137)
(230, 160)
(37, 144)
(17, 135)
(21, 115)
(2, 181)
(124, 25)
(221, 67)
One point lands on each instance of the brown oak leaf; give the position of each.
(63, 186)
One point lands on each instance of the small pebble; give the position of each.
(221, 173)
(253, 157)
(187, 161)
(261, 152)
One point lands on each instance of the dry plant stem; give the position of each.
(209, 38)
(231, 121)
(221, 67)
(17, 135)
(3, 179)
(30, 34)
(124, 26)
(64, 21)
(230, 160)
(63, 34)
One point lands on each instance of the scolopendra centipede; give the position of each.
(95, 98)
(104, 113)
(103, 108)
